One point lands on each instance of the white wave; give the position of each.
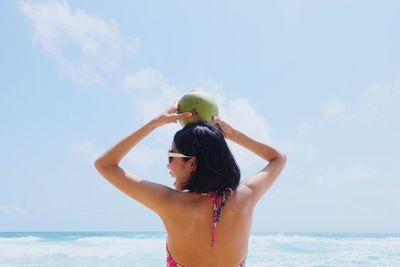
(298, 250)
(25, 239)
(106, 240)
(264, 250)
(87, 247)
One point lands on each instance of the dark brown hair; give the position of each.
(216, 168)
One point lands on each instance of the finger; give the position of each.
(220, 128)
(187, 114)
(218, 123)
(182, 115)
(216, 118)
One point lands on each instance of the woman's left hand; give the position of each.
(170, 115)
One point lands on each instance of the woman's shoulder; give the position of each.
(243, 189)
(190, 200)
(241, 194)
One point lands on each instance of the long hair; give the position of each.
(216, 168)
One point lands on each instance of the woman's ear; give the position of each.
(193, 162)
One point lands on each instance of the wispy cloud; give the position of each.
(377, 100)
(237, 111)
(149, 92)
(380, 99)
(304, 130)
(12, 210)
(333, 108)
(299, 149)
(241, 115)
(86, 152)
(353, 174)
(146, 158)
(143, 160)
(81, 43)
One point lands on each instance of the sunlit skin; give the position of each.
(181, 170)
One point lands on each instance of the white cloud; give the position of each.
(149, 92)
(242, 116)
(333, 108)
(12, 210)
(81, 73)
(304, 130)
(354, 174)
(142, 160)
(297, 148)
(378, 100)
(237, 111)
(63, 32)
(86, 152)
(145, 158)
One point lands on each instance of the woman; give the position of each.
(208, 196)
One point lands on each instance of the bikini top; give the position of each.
(217, 209)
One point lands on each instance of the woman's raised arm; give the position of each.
(153, 195)
(260, 182)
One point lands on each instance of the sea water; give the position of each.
(120, 249)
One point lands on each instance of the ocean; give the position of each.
(120, 249)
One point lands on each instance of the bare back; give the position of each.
(189, 229)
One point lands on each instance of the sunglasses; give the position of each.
(172, 154)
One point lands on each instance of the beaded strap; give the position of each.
(217, 211)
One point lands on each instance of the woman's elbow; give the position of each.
(98, 163)
(282, 158)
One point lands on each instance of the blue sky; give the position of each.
(319, 80)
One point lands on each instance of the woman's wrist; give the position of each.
(233, 135)
(154, 123)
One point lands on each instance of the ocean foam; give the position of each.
(105, 249)
(26, 239)
(87, 247)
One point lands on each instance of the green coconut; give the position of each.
(200, 104)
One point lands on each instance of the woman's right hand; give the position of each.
(170, 115)
(227, 130)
